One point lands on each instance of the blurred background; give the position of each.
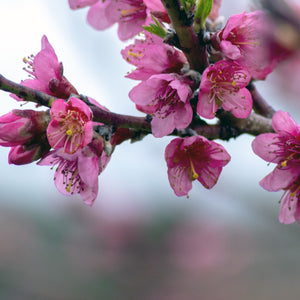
(138, 241)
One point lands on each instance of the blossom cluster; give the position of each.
(62, 136)
(172, 93)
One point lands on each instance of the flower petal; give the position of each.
(266, 148)
(279, 179)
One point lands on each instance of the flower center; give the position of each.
(290, 151)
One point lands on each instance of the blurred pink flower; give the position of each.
(283, 149)
(130, 15)
(71, 127)
(47, 73)
(224, 84)
(194, 158)
(166, 97)
(152, 56)
(214, 13)
(242, 40)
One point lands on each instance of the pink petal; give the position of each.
(179, 180)
(88, 134)
(130, 29)
(162, 127)
(205, 85)
(208, 176)
(239, 103)
(206, 106)
(88, 169)
(145, 92)
(233, 22)
(287, 210)
(219, 158)
(183, 116)
(279, 179)
(154, 5)
(58, 108)
(264, 146)
(46, 63)
(81, 106)
(230, 50)
(102, 15)
(171, 149)
(282, 121)
(183, 90)
(75, 4)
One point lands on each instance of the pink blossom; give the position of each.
(78, 173)
(75, 174)
(224, 84)
(47, 73)
(71, 127)
(152, 56)
(242, 40)
(194, 158)
(130, 15)
(166, 97)
(283, 149)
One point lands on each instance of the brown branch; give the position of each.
(26, 93)
(189, 42)
(228, 127)
(100, 115)
(254, 125)
(118, 120)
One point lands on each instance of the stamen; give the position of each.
(135, 55)
(284, 163)
(69, 132)
(194, 174)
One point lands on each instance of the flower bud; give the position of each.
(21, 154)
(20, 126)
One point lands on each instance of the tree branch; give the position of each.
(191, 45)
(228, 126)
(260, 105)
(26, 93)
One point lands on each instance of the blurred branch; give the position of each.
(254, 125)
(260, 105)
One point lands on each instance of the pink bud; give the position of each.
(20, 155)
(20, 126)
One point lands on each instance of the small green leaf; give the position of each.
(202, 12)
(188, 5)
(156, 28)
